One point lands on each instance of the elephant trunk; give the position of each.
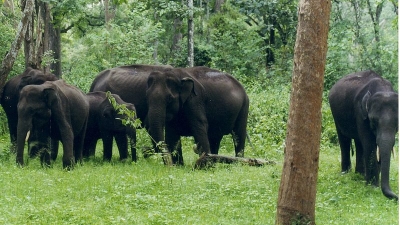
(22, 131)
(385, 146)
(156, 125)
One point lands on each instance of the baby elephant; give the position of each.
(104, 122)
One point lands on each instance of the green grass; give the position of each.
(147, 192)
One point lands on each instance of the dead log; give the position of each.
(208, 160)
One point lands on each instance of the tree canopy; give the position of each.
(245, 38)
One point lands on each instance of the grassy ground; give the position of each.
(147, 192)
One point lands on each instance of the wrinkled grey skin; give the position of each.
(200, 102)
(129, 82)
(10, 97)
(53, 110)
(104, 122)
(365, 108)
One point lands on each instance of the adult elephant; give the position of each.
(200, 102)
(53, 109)
(10, 97)
(365, 108)
(106, 123)
(129, 82)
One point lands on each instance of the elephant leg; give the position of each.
(360, 167)
(89, 148)
(78, 148)
(372, 167)
(54, 143)
(122, 144)
(215, 141)
(107, 147)
(173, 142)
(12, 126)
(345, 143)
(45, 158)
(132, 143)
(239, 139)
(201, 138)
(68, 154)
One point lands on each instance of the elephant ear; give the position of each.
(364, 105)
(187, 88)
(50, 97)
(53, 102)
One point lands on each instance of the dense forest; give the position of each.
(251, 39)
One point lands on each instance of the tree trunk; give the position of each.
(177, 38)
(218, 5)
(55, 46)
(297, 192)
(11, 55)
(190, 35)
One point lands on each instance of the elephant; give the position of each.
(104, 122)
(53, 110)
(10, 97)
(129, 82)
(365, 108)
(200, 102)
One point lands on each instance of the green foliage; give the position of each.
(231, 36)
(124, 43)
(348, 54)
(129, 117)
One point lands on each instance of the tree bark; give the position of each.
(11, 55)
(218, 5)
(190, 35)
(208, 160)
(177, 37)
(297, 192)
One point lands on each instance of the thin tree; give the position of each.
(190, 35)
(297, 192)
(11, 55)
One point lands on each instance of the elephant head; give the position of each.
(166, 93)
(381, 111)
(34, 114)
(35, 77)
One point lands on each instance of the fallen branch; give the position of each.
(208, 160)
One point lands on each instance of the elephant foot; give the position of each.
(68, 164)
(45, 160)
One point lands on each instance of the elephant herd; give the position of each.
(171, 102)
(174, 102)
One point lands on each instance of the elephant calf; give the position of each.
(104, 122)
(365, 108)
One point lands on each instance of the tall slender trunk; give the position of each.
(11, 55)
(190, 35)
(297, 192)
